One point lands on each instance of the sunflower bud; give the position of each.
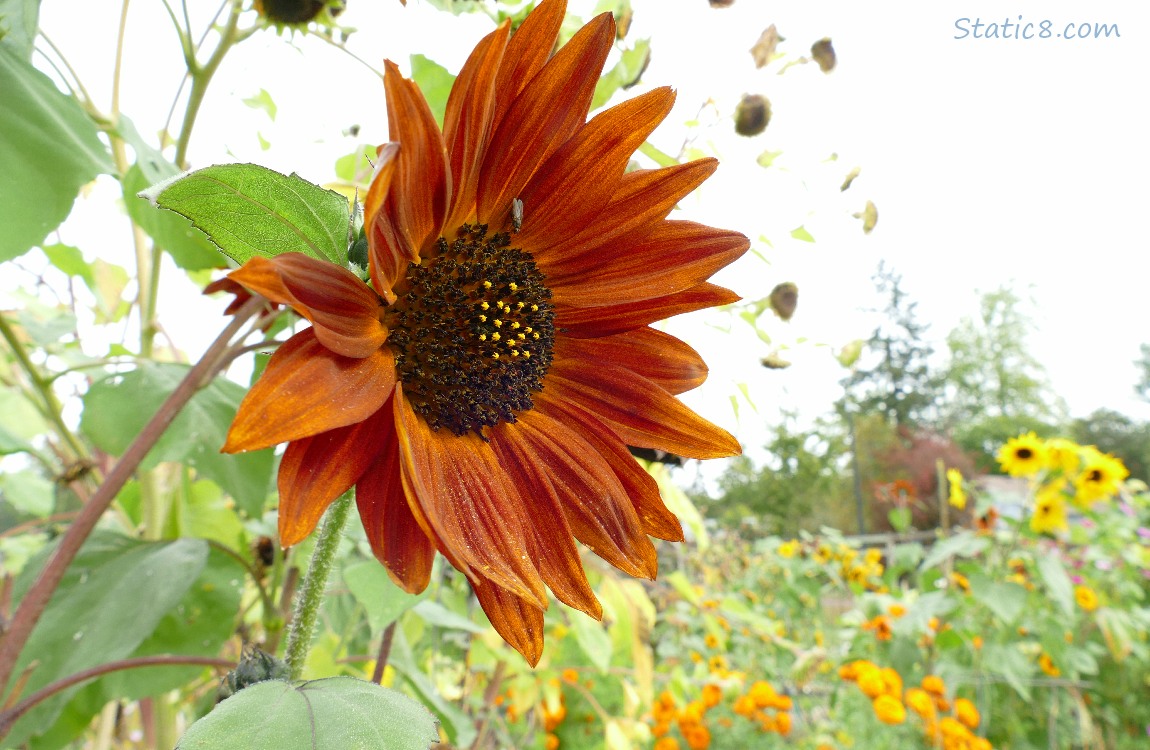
(255, 666)
(722, 3)
(296, 12)
(752, 115)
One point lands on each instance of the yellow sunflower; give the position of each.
(1023, 456)
(957, 493)
(1062, 455)
(1086, 597)
(1101, 477)
(481, 391)
(1049, 514)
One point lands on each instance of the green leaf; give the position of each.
(625, 74)
(460, 728)
(659, 157)
(27, 492)
(1058, 584)
(264, 101)
(801, 233)
(118, 407)
(248, 210)
(71, 261)
(1003, 599)
(899, 518)
(112, 598)
(19, 422)
(593, 638)
(198, 625)
(963, 544)
(19, 20)
(49, 148)
(1012, 664)
(189, 247)
(372, 587)
(767, 158)
(440, 616)
(434, 81)
(337, 713)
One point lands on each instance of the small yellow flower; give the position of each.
(920, 702)
(966, 713)
(1086, 597)
(789, 549)
(889, 709)
(570, 676)
(711, 640)
(896, 610)
(1047, 665)
(1023, 456)
(957, 493)
(761, 693)
(871, 683)
(934, 685)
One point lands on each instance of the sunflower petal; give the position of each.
(527, 52)
(555, 552)
(476, 517)
(591, 496)
(316, 470)
(343, 310)
(519, 621)
(467, 121)
(572, 186)
(642, 199)
(657, 356)
(395, 536)
(386, 260)
(673, 257)
(534, 126)
(592, 322)
(416, 205)
(640, 486)
(306, 390)
(639, 412)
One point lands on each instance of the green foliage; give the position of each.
(42, 132)
(337, 713)
(435, 83)
(248, 210)
(1117, 434)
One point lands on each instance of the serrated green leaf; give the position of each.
(337, 713)
(189, 247)
(117, 408)
(42, 133)
(249, 210)
(114, 595)
(434, 81)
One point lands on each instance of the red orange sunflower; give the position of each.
(481, 391)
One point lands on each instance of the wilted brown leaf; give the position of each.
(824, 54)
(752, 115)
(784, 299)
(764, 49)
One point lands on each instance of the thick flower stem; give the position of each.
(36, 600)
(310, 595)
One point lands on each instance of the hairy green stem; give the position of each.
(36, 599)
(310, 595)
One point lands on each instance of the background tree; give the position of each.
(995, 386)
(1142, 387)
(1116, 433)
(893, 376)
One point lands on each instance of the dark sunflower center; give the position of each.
(473, 333)
(1095, 475)
(1025, 453)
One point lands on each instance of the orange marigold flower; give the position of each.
(920, 702)
(660, 728)
(892, 681)
(712, 694)
(570, 676)
(889, 709)
(692, 714)
(783, 723)
(934, 685)
(481, 392)
(1047, 665)
(745, 706)
(698, 737)
(881, 627)
(872, 684)
(667, 743)
(552, 719)
(761, 693)
(965, 712)
(551, 743)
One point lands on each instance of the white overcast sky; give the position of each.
(989, 160)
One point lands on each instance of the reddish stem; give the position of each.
(9, 717)
(36, 599)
